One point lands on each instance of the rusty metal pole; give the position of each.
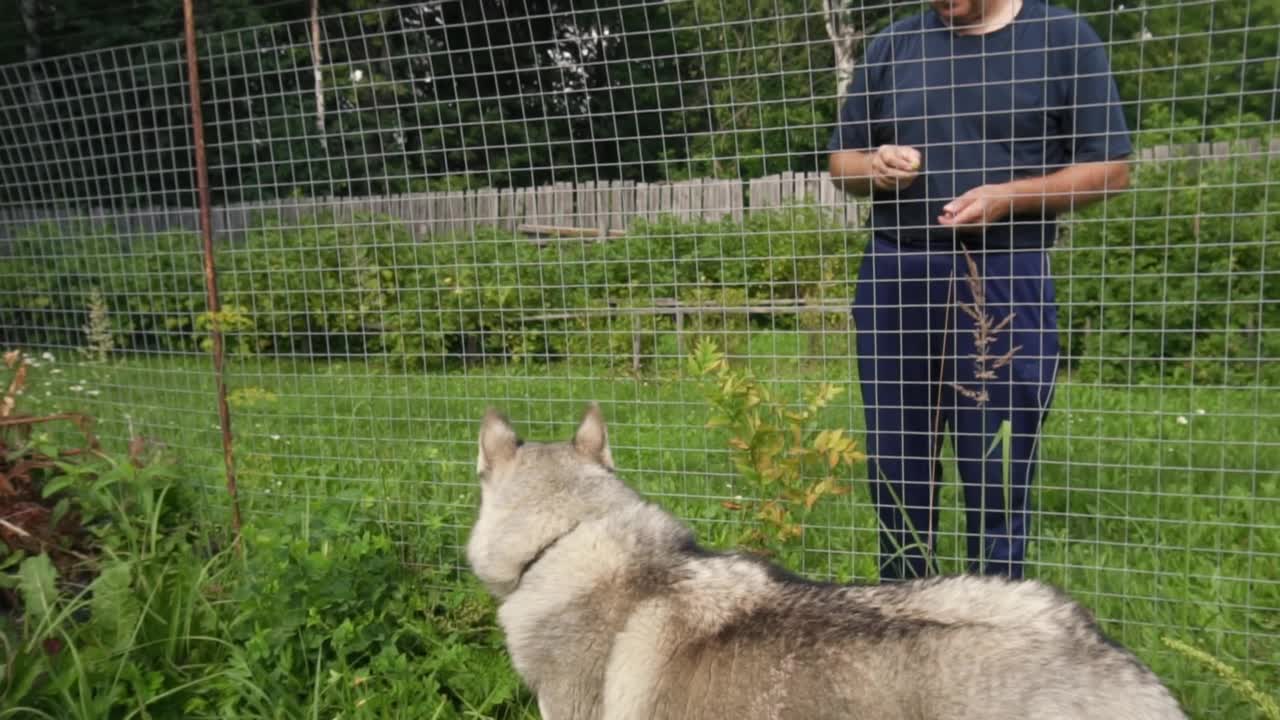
(210, 271)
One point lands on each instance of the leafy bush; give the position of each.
(130, 626)
(367, 288)
(326, 616)
(321, 619)
(153, 286)
(321, 288)
(113, 604)
(1170, 280)
(787, 459)
(791, 253)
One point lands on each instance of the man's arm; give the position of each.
(1071, 187)
(851, 171)
(1067, 189)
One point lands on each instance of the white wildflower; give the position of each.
(1182, 420)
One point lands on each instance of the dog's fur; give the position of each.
(612, 610)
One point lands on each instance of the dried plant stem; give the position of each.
(986, 332)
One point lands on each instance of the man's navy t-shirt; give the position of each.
(1023, 101)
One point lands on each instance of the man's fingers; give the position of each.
(900, 157)
(957, 205)
(961, 211)
(895, 166)
(969, 215)
(909, 158)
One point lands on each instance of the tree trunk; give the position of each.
(845, 36)
(28, 10)
(317, 63)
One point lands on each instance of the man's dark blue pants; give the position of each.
(927, 367)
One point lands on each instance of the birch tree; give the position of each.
(846, 36)
(29, 22)
(317, 63)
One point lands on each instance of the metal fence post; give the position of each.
(210, 270)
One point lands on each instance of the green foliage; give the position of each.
(97, 331)
(764, 83)
(368, 288)
(1206, 66)
(518, 94)
(1267, 706)
(326, 289)
(791, 253)
(1167, 280)
(1170, 279)
(328, 617)
(318, 617)
(1093, 535)
(236, 324)
(786, 459)
(141, 634)
(151, 287)
(118, 607)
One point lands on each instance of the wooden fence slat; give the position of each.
(420, 216)
(458, 209)
(640, 196)
(504, 204)
(585, 204)
(564, 203)
(519, 215)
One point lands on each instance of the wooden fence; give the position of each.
(605, 208)
(593, 208)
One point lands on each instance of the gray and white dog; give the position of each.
(612, 610)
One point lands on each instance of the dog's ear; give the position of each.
(498, 442)
(591, 440)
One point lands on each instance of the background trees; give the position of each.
(445, 94)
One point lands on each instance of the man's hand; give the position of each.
(888, 167)
(979, 207)
(894, 166)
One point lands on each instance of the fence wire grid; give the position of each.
(424, 210)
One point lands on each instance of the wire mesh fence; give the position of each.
(423, 210)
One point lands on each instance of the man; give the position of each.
(971, 126)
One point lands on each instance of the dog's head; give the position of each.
(532, 494)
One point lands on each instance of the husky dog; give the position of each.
(612, 610)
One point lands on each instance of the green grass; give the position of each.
(1157, 507)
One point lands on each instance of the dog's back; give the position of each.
(796, 649)
(611, 610)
